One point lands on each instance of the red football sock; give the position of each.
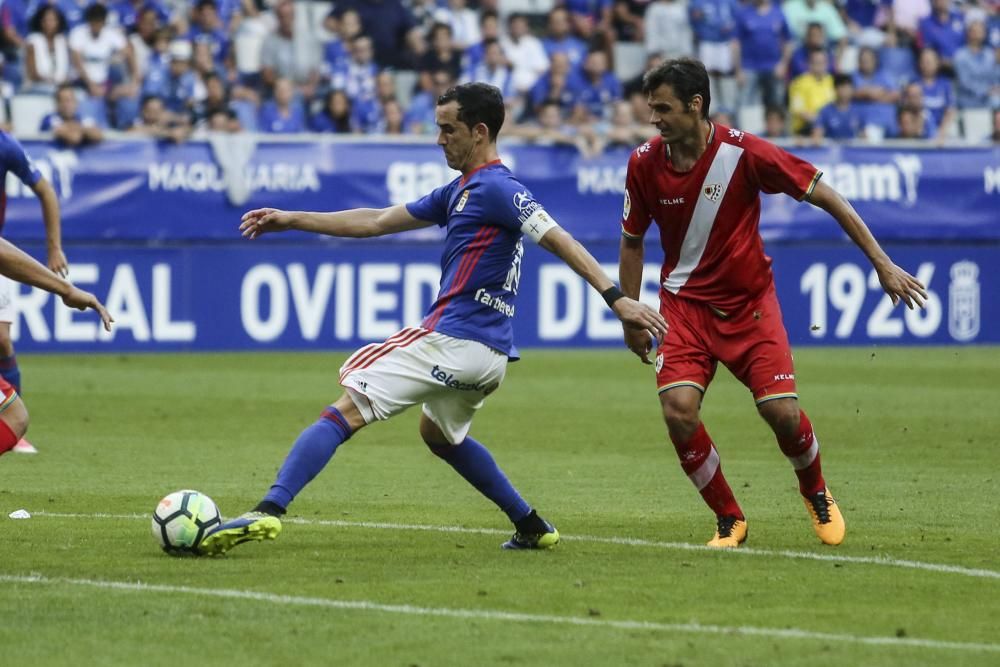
(803, 453)
(700, 462)
(7, 437)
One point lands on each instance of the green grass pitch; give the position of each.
(910, 447)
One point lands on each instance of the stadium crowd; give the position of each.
(810, 69)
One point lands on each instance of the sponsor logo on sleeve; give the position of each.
(645, 148)
(525, 205)
(460, 206)
(628, 205)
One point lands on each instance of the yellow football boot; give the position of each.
(827, 520)
(731, 533)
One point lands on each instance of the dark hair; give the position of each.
(687, 76)
(36, 20)
(488, 14)
(775, 110)
(477, 103)
(146, 99)
(95, 12)
(842, 79)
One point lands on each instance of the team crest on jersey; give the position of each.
(736, 134)
(645, 148)
(462, 201)
(628, 205)
(713, 192)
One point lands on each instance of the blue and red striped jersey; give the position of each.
(481, 263)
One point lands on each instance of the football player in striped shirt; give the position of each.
(700, 183)
(459, 353)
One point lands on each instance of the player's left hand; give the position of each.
(640, 316)
(57, 262)
(899, 284)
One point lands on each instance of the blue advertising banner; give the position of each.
(272, 295)
(144, 190)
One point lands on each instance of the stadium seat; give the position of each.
(527, 6)
(406, 81)
(751, 119)
(630, 59)
(27, 111)
(976, 124)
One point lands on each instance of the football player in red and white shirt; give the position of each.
(700, 183)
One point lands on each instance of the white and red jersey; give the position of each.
(709, 216)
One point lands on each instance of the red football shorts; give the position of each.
(750, 341)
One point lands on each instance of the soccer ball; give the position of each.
(182, 519)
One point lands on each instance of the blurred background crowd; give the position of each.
(570, 70)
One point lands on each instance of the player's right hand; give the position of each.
(264, 221)
(641, 322)
(77, 298)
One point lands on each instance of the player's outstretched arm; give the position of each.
(352, 223)
(896, 282)
(22, 267)
(53, 230)
(630, 262)
(633, 314)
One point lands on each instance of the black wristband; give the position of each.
(611, 295)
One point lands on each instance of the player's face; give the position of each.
(674, 119)
(454, 136)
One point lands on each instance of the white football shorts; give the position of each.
(7, 287)
(451, 377)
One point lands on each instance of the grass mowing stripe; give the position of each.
(500, 615)
(624, 541)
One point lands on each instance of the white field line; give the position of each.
(515, 617)
(623, 541)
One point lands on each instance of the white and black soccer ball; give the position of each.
(182, 519)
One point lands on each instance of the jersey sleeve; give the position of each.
(512, 205)
(432, 207)
(17, 161)
(777, 170)
(635, 216)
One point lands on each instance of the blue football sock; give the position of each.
(311, 452)
(10, 372)
(475, 463)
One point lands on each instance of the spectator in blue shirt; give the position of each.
(897, 62)
(357, 75)
(489, 28)
(337, 51)
(560, 85)
(177, 88)
(765, 46)
(840, 119)
(815, 39)
(67, 125)
(913, 100)
(714, 25)
(936, 90)
(419, 118)
(589, 17)
(391, 26)
(14, 26)
(943, 30)
(977, 73)
(335, 116)
(558, 39)
(125, 13)
(599, 87)
(876, 96)
(495, 71)
(208, 28)
(282, 114)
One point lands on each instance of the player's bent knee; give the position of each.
(782, 415)
(680, 413)
(16, 417)
(433, 437)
